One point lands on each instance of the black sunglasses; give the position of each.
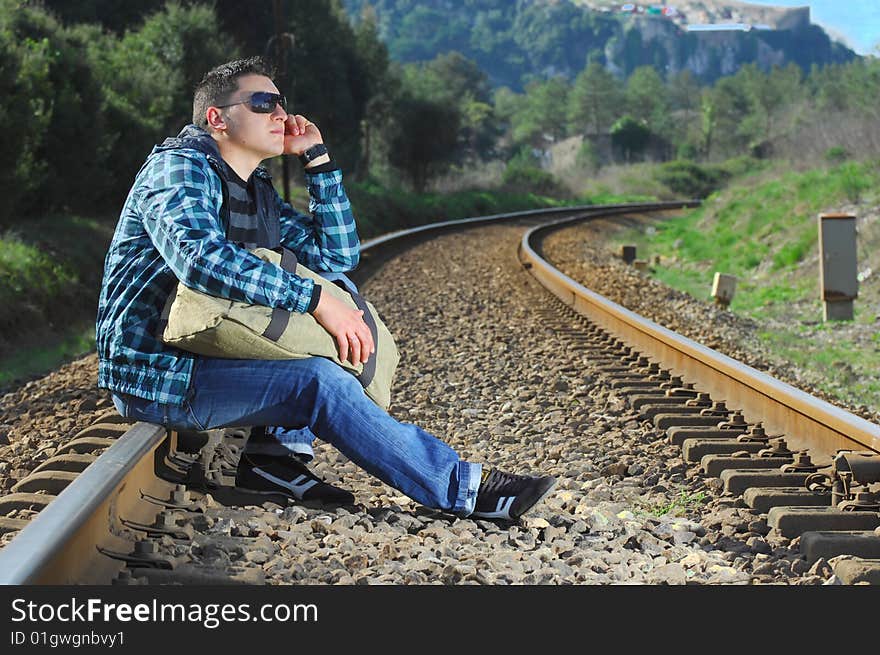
(261, 102)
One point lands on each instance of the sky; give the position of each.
(855, 22)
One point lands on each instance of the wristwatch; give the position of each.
(313, 153)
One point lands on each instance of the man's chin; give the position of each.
(272, 154)
(274, 149)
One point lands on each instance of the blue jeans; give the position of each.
(298, 440)
(321, 395)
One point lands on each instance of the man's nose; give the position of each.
(279, 112)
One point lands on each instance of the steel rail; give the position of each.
(32, 557)
(68, 528)
(806, 421)
(385, 241)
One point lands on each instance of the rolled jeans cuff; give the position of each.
(304, 451)
(297, 441)
(469, 475)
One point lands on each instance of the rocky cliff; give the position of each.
(514, 41)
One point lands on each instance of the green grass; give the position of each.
(608, 198)
(690, 282)
(30, 272)
(47, 354)
(845, 366)
(759, 232)
(51, 274)
(679, 505)
(765, 233)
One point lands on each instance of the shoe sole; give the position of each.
(315, 503)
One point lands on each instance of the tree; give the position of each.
(542, 113)
(110, 14)
(148, 78)
(425, 31)
(24, 89)
(506, 103)
(767, 95)
(707, 122)
(854, 86)
(451, 77)
(684, 94)
(453, 80)
(728, 105)
(50, 104)
(334, 69)
(382, 86)
(646, 99)
(422, 138)
(596, 100)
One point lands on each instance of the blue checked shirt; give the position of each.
(170, 229)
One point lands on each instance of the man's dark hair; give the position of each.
(219, 82)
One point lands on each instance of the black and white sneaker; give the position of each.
(508, 497)
(288, 476)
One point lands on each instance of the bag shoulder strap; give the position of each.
(281, 317)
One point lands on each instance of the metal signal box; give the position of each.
(838, 281)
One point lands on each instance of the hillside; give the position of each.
(763, 230)
(514, 42)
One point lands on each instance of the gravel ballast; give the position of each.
(484, 369)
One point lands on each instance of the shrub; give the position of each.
(690, 179)
(25, 104)
(854, 180)
(524, 175)
(688, 150)
(741, 165)
(587, 158)
(148, 78)
(836, 154)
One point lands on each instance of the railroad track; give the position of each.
(811, 467)
(774, 445)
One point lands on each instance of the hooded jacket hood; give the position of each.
(193, 137)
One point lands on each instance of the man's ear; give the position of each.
(215, 119)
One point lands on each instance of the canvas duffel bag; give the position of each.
(216, 327)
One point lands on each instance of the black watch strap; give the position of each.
(313, 153)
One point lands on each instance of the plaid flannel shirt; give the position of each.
(170, 229)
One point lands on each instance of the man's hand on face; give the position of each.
(299, 135)
(346, 325)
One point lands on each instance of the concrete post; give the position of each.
(723, 288)
(838, 281)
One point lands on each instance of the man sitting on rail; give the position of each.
(172, 228)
